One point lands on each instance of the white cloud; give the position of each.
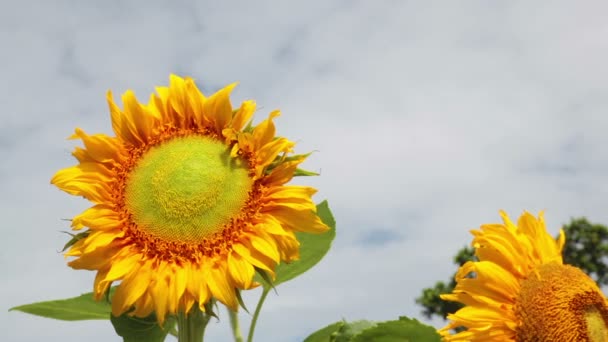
(427, 118)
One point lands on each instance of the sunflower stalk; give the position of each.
(234, 323)
(256, 314)
(191, 326)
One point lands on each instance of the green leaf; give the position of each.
(325, 334)
(351, 329)
(136, 329)
(313, 248)
(404, 329)
(79, 308)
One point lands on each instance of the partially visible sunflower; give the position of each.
(189, 200)
(520, 290)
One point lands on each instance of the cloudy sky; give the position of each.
(427, 118)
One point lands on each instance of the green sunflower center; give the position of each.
(186, 189)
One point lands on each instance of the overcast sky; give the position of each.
(427, 118)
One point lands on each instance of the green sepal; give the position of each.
(240, 300)
(75, 238)
(283, 158)
(249, 127)
(264, 278)
(301, 172)
(110, 292)
(296, 157)
(209, 308)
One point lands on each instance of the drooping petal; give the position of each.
(221, 287)
(132, 287)
(241, 271)
(300, 220)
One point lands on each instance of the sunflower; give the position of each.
(189, 201)
(520, 290)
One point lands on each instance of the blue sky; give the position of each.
(427, 118)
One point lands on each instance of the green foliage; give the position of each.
(348, 331)
(325, 334)
(83, 307)
(403, 329)
(431, 302)
(313, 248)
(135, 329)
(586, 248)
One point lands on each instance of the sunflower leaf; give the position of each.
(83, 307)
(351, 329)
(341, 331)
(403, 329)
(135, 329)
(313, 248)
(326, 334)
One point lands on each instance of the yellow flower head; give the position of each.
(189, 199)
(520, 290)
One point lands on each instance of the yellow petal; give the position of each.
(179, 102)
(101, 239)
(264, 132)
(99, 147)
(218, 109)
(131, 288)
(120, 267)
(283, 173)
(265, 245)
(269, 151)
(159, 290)
(99, 217)
(255, 258)
(243, 115)
(140, 122)
(240, 270)
(196, 99)
(220, 286)
(300, 220)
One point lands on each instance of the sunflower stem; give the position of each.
(191, 326)
(234, 323)
(258, 308)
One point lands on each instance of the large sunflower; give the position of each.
(189, 200)
(520, 290)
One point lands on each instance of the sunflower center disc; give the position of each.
(186, 189)
(560, 303)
